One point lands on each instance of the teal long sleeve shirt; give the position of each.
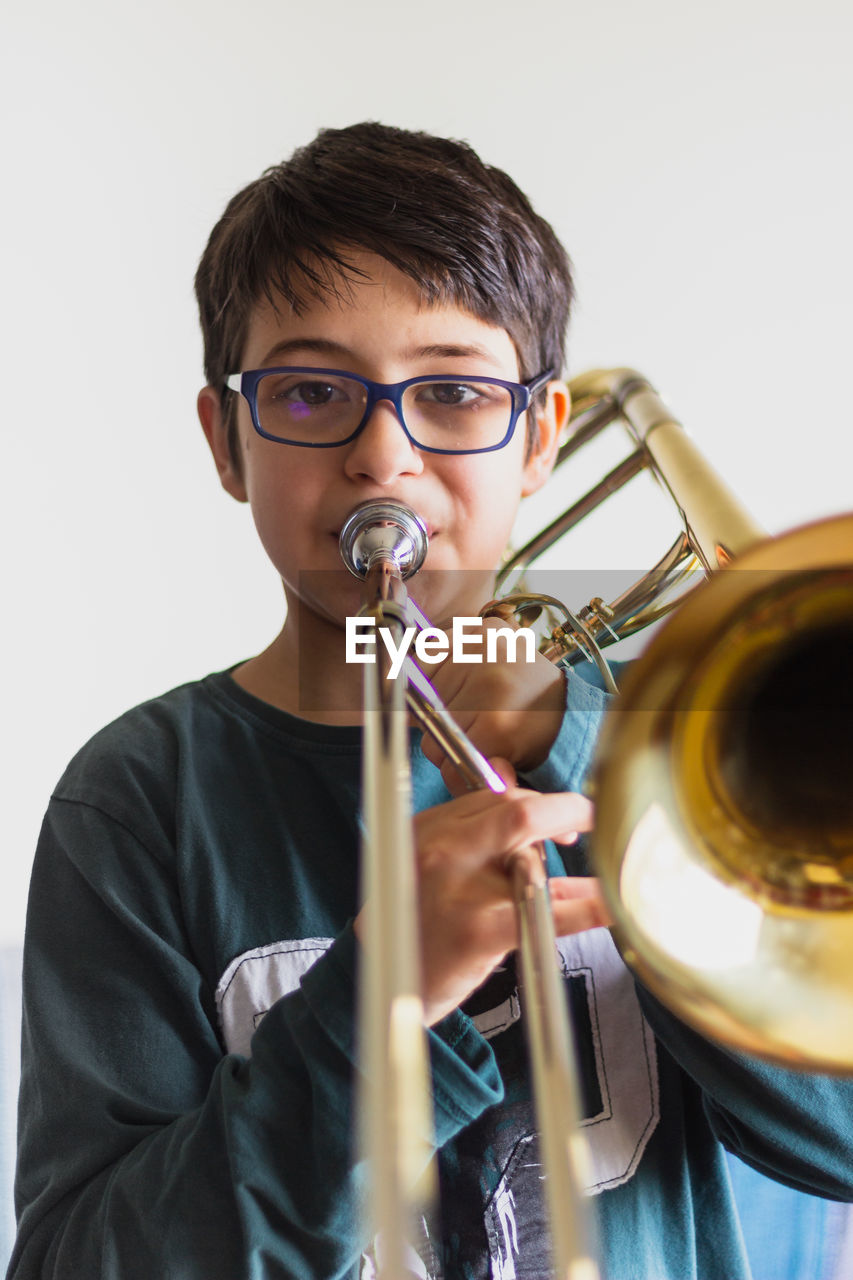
(188, 1049)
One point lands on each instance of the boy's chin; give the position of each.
(441, 595)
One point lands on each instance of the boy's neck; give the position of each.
(304, 672)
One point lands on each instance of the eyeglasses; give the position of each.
(442, 413)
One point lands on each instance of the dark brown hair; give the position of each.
(461, 229)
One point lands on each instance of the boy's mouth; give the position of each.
(431, 531)
(431, 534)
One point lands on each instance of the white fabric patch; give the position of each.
(255, 980)
(493, 1021)
(623, 1044)
(625, 1058)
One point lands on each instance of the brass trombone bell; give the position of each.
(724, 792)
(724, 775)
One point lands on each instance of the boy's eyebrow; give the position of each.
(322, 346)
(433, 350)
(452, 351)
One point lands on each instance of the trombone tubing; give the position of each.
(394, 1107)
(718, 524)
(549, 1032)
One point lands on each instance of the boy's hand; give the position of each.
(509, 709)
(467, 914)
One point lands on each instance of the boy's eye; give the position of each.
(451, 394)
(293, 405)
(313, 394)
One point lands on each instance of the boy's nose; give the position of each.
(382, 451)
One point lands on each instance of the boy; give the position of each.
(194, 922)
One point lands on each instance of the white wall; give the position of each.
(695, 159)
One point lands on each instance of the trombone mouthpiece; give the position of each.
(386, 530)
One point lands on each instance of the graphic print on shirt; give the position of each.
(493, 1166)
(255, 980)
(625, 1059)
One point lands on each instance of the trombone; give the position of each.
(724, 774)
(384, 543)
(724, 849)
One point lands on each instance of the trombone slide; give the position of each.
(391, 1017)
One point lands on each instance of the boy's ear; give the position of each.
(216, 432)
(550, 421)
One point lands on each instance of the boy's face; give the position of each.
(300, 497)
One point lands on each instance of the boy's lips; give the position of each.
(431, 533)
(431, 530)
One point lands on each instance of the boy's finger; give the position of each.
(505, 770)
(483, 824)
(577, 904)
(456, 784)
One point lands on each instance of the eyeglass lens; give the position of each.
(307, 409)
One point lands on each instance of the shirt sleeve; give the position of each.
(793, 1126)
(144, 1149)
(567, 764)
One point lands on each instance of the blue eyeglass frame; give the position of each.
(522, 395)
